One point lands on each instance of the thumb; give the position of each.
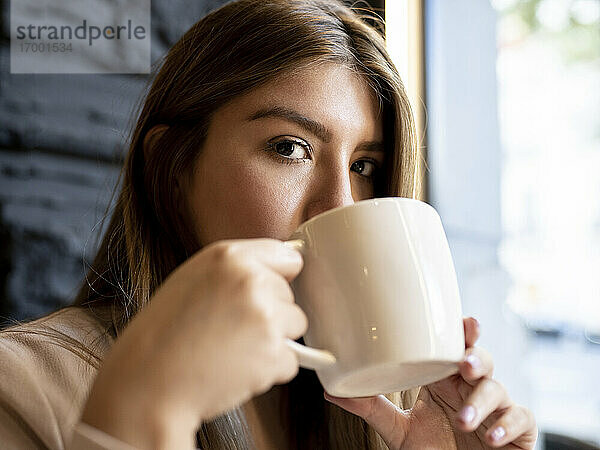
(390, 422)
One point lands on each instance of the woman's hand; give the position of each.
(468, 410)
(212, 337)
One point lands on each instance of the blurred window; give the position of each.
(513, 165)
(548, 72)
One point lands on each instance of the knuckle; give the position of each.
(518, 416)
(487, 385)
(498, 386)
(493, 388)
(526, 415)
(268, 331)
(257, 317)
(224, 259)
(267, 316)
(262, 314)
(223, 250)
(514, 420)
(248, 281)
(486, 389)
(229, 253)
(526, 411)
(510, 418)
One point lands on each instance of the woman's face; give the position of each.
(285, 152)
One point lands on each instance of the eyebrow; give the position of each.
(312, 126)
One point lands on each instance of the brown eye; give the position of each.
(364, 167)
(290, 149)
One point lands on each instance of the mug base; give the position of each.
(391, 377)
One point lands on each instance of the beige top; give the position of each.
(45, 381)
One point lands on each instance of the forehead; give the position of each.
(328, 93)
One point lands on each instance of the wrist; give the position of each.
(142, 424)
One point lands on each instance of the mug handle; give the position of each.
(308, 357)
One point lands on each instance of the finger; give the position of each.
(274, 283)
(390, 422)
(277, 298)
(477, 363)
(295, 322)
(271, 253)
(487, 397)
(471, 326)
(516, 426)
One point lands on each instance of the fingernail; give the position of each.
(474, 361)
(498, 434)
(467, 415)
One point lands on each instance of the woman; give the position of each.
(263, 115)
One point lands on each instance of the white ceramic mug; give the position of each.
(380, 292)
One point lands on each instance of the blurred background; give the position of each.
(507, 97)
(513, 149)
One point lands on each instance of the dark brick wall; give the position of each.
(61, 146)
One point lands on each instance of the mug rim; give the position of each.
(361, 202)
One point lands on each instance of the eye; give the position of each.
(291, 149)
(364, 167)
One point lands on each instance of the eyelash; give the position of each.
(288, 161)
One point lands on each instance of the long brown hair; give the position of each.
(232, 50)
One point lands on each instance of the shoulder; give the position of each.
(47, 367)
(51, 333)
